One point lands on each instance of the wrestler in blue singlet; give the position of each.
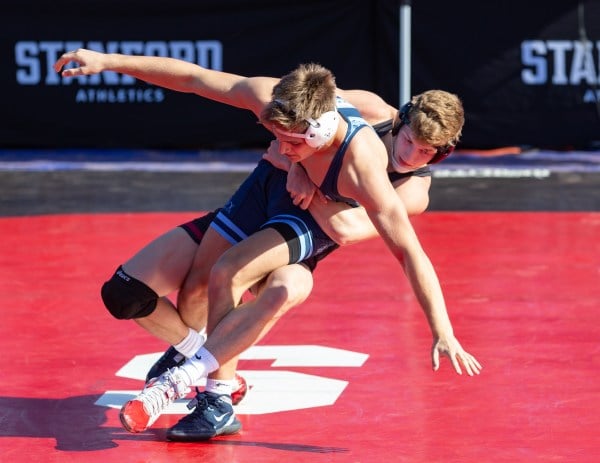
(355, 122)
(263, 201)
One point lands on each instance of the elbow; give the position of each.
(347, 236)
(417, 207)
(344, 240)
(341, 236)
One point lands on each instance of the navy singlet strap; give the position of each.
(355, 122)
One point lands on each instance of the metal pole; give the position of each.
(405, 48)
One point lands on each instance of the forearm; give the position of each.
(175, 74)
(401, 239)
(426, 286)
(165, 72)
(348, 225)
(182, 76)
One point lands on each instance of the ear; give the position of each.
(321, 130)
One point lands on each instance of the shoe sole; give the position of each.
(132, 414)
(233, 428)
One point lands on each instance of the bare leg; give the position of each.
(285, 287)
(163, 265)
(231, 331)
(241, 267)
(192, 301)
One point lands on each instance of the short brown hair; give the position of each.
(437, 117)
(305, 93)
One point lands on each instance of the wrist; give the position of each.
(112, 62)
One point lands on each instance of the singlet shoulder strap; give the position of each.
(420, 172)
(355, 123)
(383, 128)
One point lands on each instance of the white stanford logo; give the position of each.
(270, 390)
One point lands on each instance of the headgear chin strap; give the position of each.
(319, 131)
(442, 151)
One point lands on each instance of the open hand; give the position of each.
(452, 349)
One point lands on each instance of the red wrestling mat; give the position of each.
(343, 378)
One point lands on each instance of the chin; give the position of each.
(403, 168)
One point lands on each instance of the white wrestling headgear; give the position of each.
(319, 131)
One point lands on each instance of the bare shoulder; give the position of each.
(366, 154)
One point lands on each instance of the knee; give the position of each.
(296, 286)
(127, 298)
(280, 296)
(275, 302)
(194, 287)
(223, 275)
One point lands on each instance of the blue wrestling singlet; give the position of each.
(355, 122)
(263, 201)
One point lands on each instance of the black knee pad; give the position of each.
(127, 298)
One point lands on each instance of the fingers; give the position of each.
(305, 203)
(459, 359)
(470, 363)
(320, 196)
(71, 72)
(302, 201)
(435, 360)
(60, 63)
(65, 59)
(80, 69)
(472, 366)
(456, 365)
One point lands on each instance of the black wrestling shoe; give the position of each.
(213, 416)
(170, 359)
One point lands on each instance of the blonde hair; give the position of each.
(437, 117)
(305, 93)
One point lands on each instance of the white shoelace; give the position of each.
(157, 397)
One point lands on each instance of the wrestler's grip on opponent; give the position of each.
(301, 188)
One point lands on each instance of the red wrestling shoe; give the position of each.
(240, 392)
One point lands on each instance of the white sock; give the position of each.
(199, 365)
(220, 386)
(190, 344)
